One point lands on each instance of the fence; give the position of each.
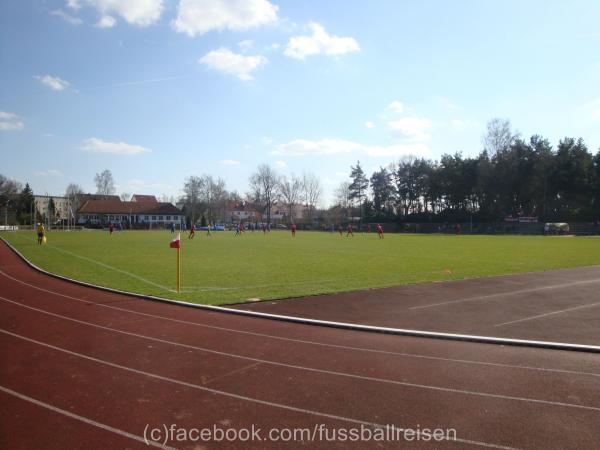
(575, 228)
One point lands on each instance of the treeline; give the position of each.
(521, 178)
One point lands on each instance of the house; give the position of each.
(244, 212)
(61, 206)
(144, 198)
(137, 214)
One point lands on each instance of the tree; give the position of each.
(312, 190)
(8, 188)
(9, 193)
(51, 209)
(383, 191)
(192, 189)
(212, 195)
(359, 185)
(499, 136)
(26, 205)
(263, 186)
(74, 194)
(289, 191)
(342, 195)
(105, 184)
(125, 196)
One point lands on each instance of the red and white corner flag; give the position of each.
(176, 243)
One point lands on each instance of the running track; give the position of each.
(84, 368)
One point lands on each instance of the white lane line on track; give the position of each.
(590, 305)
(301, 341)
(106, 266)
(82, 419)
(311, 369)
(230, 394)
(504, 294)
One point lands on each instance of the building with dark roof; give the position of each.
(134, 213)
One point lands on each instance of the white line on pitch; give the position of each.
(301, 341)
(81, 418)
(229, 394)
(548, 314)
(309, 369)
(503, 294)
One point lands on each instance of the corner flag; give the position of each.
(176, 243)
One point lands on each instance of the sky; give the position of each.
(158, 90)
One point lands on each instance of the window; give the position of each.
(146, 217)
(153, 217)
(160, 217)
(168, 217)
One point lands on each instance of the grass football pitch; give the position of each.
(224, 268)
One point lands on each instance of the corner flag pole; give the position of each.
(176, 243)
(178, 269)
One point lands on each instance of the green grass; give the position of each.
(226, 269)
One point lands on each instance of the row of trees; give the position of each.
(207, 198)
(510, 177)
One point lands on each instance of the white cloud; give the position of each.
(229, 162)
(54, 83)
(10, 121)
(458, 124)
(95, 145)
(66, 17)
(135, 12)
(246, 44)
(320, 42)
(201, 16)
(369, 124)
(396, 106)
(397, 150)
(280, 164)
(304, 147)
(224, 60)
(412, 128)
(106, 22)
(48, 173)
(74, 4)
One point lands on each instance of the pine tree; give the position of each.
(358, 187)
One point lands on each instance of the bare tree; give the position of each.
(105, 184)
(499, 136)
(9, 188)
(125, 196)
(312, 190)
(342, 195)
(167, 199)
(192, 189)
(290, 192)
(213, 195)
(73, 194)
(263, 187)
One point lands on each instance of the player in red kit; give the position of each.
(350, 232)
(380, 231)
(294, 229)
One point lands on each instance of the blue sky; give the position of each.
(156, 90)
